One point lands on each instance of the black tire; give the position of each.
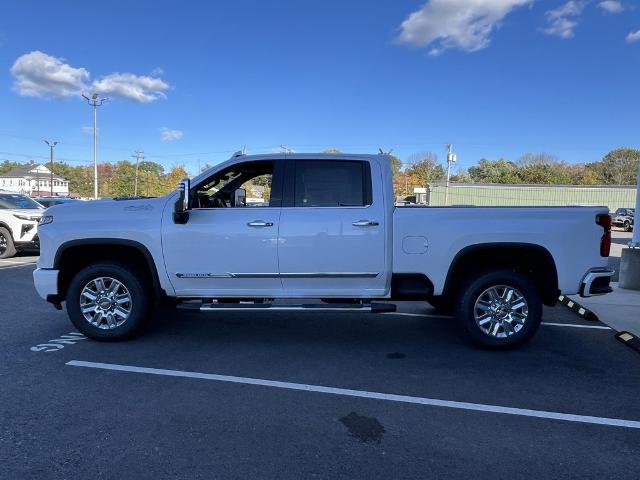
(139, 307)
(515, 333)
(7, 247)
(442, 304)
(627, 226)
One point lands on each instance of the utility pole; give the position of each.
(137, 155)
(95, 102)
(451, 158)
(52, 145)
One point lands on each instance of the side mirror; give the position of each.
(240, 197)
(182, 205)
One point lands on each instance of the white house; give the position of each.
(33, 179)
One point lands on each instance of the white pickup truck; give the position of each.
(318, 226)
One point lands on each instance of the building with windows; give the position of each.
(33, 179)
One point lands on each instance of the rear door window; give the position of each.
(332, 183)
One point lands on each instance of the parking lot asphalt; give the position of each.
(65, 421)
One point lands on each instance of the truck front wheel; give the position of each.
(500, 309)
(108, 302)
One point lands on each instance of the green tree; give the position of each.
(620, 166)
(174, 176)
(396, 165)
(424, 167)
(495, 171)
(7, 165)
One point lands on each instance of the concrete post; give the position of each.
(635, 240)
(630, 260)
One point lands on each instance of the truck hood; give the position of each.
(110, 208)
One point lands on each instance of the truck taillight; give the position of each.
(604, 220)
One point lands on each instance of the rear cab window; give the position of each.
(332, 183)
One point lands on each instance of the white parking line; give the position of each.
(479, 407)
(552, 324)
(575, 325)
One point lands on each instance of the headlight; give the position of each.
(28, 218)
(45, 219)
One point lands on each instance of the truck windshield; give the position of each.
(16, 201)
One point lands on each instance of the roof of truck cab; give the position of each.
(307, 156)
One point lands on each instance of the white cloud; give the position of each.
(38, 74)
(564, 19)
(461, 24)
(633, 37)
(611, 6)
(138, 88)
(169, 135)
(156, 72)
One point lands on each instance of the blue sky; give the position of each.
(497, 78)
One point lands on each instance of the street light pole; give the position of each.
(51, 144)
(95, 102)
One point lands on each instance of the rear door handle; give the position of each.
(260, 223)
(365, 223)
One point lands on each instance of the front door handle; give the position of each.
(365, 223)
(260, 223)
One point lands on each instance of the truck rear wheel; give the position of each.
(108, 302)
(500, 310)
(7, 248)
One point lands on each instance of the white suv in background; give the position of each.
(19, 216)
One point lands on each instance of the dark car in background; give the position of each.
(623, 218)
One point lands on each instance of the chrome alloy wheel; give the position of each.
(105, 303)
(500, 311)
(3, 244)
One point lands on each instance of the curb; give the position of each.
(579, 309)
(629, 339)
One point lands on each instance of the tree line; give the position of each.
(618, 167)
(115, 179)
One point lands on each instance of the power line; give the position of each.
(137, 155)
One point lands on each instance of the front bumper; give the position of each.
(596, 282)
(46, 283)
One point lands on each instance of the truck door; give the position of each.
(229, 245)
(332, 229)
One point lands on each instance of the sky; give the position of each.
(194, 81)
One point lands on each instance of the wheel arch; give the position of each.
(4, 225)
(531, 259)
(74, 255)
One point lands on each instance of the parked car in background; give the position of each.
(623, 218)
(51, 201)
(328, 230)
(19, 217)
